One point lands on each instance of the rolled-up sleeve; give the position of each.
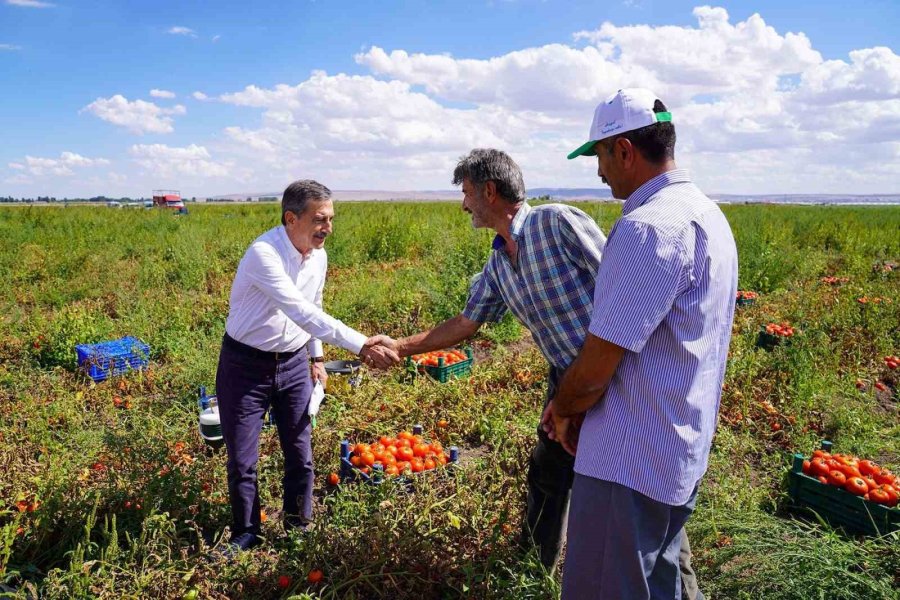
(264, 268)
(641, 274)
(583, 241)
(485, 305)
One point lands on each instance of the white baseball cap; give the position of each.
(626, 110)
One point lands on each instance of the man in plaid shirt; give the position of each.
(543, 267)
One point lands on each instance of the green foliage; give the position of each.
(121, 498)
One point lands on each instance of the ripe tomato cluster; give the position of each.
(431, 359)
(892, 361)
(835, 280)
(874, 300)
(406, 453)
(746, 295)
(859, 477)
(782, 330)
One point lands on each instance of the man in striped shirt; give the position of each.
(650, 372)
(542, 269)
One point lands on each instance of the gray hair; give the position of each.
(486, 164)
(300, 193)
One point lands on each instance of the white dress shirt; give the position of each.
(276, 300)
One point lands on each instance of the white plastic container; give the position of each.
(211, 425)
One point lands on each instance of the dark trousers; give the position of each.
(248, 382)
(550, 476)
(622, 544)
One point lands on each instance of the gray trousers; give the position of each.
(622, 544)
(248, 382)
(550, 476)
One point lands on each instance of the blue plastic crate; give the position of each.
(114, 357)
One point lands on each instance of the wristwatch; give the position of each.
(315, 359)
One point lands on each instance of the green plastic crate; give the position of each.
(446, 372)
(839, 507)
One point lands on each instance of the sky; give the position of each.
(120, 98)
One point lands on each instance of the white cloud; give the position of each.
(64, 166)
(757, 111)
(162, 93)
(170, 162)
(30, 3)
(138, 116)
(10, 47)
(216, 38)
(178, 30)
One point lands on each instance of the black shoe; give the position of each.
(298, 524)
(239, 543)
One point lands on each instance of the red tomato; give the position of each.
(879, 496)
(867, 467)
(823, 479)
(837, 478)
(893, 494)
(819, 467)
(284, 582)
(806, 466)
(883, 477)
(429, 464)
(315, 576)
(405, 453)
(333, 479)
(368, 459)
(856, 486)
(416, 465)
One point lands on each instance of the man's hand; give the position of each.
(564, 430)
(379, 353)
(319, 373)
(386, 341)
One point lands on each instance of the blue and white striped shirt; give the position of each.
(665, 293)
(550, 289)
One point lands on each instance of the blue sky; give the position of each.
(386, 95)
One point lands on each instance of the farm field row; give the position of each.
(108, 490)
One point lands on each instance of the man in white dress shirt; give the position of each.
(274, 331)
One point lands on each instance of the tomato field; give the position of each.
(107, 489)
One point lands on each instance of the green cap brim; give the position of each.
(586, 149)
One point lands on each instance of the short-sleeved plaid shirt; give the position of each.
(551, 289)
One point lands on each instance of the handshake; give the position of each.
(381, 352)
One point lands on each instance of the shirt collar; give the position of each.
(515, 228)
(289, 246)
(640, 196)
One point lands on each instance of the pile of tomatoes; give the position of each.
(892, 361)
(858, 477)
(431, 359)
(406, 453)
(782, 330)
(746, 295)
(835, 280)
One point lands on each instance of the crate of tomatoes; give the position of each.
(443, 365)
(775, 334)
(856, 494)
(406, 454)
(745, 298)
